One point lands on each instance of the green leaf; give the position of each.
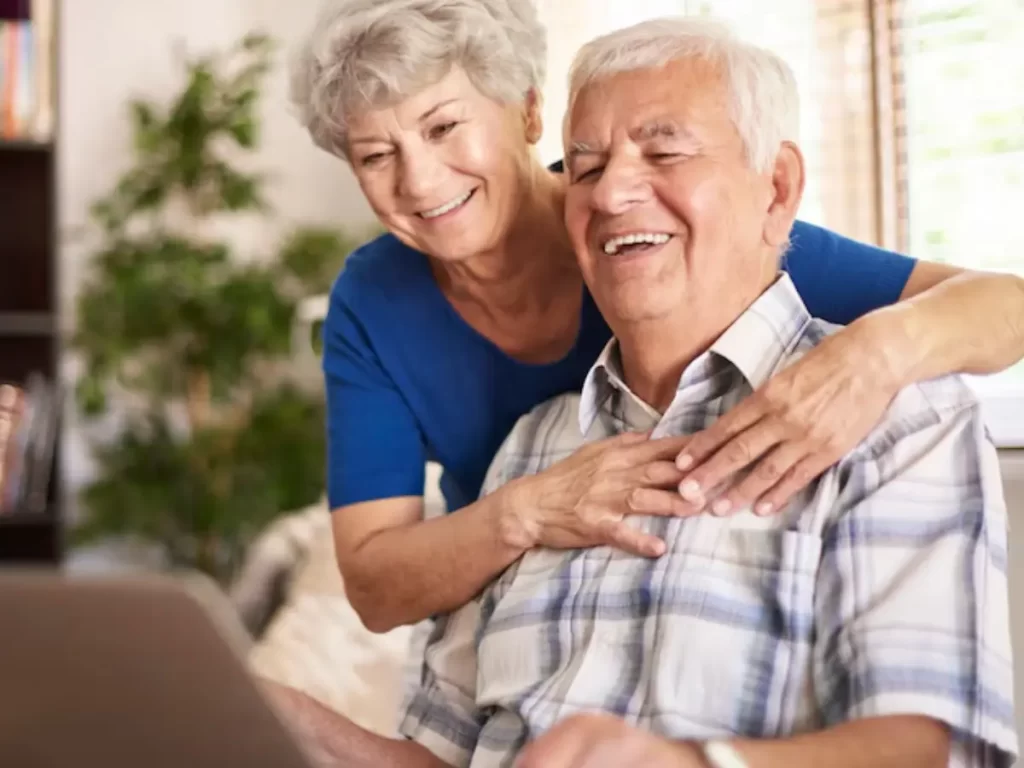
(188, 325)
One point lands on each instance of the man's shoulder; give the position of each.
(915, 408)
(550, 427)
(545, 435)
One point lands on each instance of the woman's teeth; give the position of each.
(441, 210)
(616, 244)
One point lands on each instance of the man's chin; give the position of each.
(636, 305)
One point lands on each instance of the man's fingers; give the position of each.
(741, 451)
(620, 534)
(769, 471)
(794, 480)
(706, 442)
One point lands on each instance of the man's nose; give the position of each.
(621, 187)
(419, 177)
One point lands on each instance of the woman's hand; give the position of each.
(583, 500)
(794, 427)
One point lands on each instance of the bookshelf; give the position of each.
(29, 267)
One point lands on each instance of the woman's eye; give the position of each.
(439, 131)
(373, 159)
(664, 155)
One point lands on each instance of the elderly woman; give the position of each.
(472, 311)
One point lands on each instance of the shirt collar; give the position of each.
(756, 344)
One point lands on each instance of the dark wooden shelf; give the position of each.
(26, 324)
(30, 338)
(25, 145)
(29, 538)
(25, 519)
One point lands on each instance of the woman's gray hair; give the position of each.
(368, 54)
(764, 104)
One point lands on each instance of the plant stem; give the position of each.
(198, 399)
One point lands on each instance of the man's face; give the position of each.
(663, 210)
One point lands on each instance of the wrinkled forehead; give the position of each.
(678, 97)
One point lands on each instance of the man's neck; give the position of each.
(655, 353)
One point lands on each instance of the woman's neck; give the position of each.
(531, 265)
(525, 295)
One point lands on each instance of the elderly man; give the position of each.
(863, 625)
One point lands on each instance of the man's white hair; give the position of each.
(368, 54)
(763, 100)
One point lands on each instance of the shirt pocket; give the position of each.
(732, 648)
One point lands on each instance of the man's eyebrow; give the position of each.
(580, 148)
(660, 128)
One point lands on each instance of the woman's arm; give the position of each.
(948, 320)
(951, 320)
(400, 569)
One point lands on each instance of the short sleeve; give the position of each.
(840, 279)
(912, 615)
(374, 444)
(442, 714)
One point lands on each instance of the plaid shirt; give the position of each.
(879, 590)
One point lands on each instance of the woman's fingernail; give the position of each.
(690, 490)
(764, 508)
(685, 461)
(721, 506)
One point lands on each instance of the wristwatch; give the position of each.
(722, 754)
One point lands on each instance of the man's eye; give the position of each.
(663, 156)
(589, 173)
(439, 131)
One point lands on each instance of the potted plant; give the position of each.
(194, 340)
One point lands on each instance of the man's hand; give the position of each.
(603, 741)
(331, 740)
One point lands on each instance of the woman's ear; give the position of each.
(533, 117)
(787, 191)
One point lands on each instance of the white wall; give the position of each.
(112, 50)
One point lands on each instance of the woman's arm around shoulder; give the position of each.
(911, 321)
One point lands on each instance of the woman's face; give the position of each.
(443, 169)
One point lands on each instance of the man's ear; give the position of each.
(787, 192)
(533, 117)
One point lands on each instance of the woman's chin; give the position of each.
(461, 250)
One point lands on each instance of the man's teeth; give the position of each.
(612, 246)
(441, 210)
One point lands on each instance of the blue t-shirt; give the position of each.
(409, 380)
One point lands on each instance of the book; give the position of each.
(27, 59)
(29, 416)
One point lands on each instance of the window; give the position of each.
(961, 69)
(912, 123)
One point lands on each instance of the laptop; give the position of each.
(129, 672)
